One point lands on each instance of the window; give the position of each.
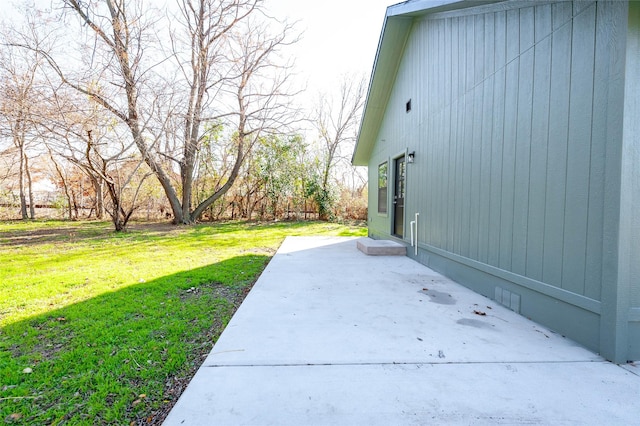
(383, 170)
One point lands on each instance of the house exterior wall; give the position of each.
(627, 294)
(516, 125)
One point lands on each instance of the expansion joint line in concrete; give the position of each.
(368, 364)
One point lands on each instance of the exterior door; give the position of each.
(398, 197)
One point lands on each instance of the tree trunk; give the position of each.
(74, 199)
(98, 188)
(99, 200)
(32, 207)
(64, 182)
(23, 200)
(223, 190)
(69, 205)
(186, 172)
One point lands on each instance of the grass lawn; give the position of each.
(105, 328)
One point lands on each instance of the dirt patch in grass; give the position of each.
(74, 231)
(37, 236)
(161, 228)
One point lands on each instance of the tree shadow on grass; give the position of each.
(123, 356)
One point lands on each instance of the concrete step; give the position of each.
(373, 247)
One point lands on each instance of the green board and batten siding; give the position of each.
(626, 295)
(526, 159)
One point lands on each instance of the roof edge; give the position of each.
(393, 36)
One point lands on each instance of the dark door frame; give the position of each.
(399, 194)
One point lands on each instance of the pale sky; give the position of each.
(340, 37)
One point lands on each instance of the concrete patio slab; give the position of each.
(329, 335)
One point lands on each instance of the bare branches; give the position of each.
(337, 120)
(228, 58)
(83, 9)
(224, 68)
(21, 93)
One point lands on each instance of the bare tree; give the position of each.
(259, 87)
(125, 71)
(119, 36)
(83, 135)
(206, 26)
(20, 95)
(118, 172)
(336, 121)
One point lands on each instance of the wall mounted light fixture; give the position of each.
(411, 157)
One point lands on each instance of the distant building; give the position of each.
(505, 137)
(44, 193)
